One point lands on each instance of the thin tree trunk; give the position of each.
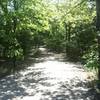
(69, 33)
(14, 27)
(66, 37)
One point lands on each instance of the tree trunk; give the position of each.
(14, 27)
(98, 29)
(66, 37)
(99, 57)
(98, 15)
(69, 32)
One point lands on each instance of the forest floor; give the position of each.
(49, 78)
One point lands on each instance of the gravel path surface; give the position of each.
(49, 78)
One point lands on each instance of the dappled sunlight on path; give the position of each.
(50, 78)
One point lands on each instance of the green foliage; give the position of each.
(18, 22)
(86, 37)
(55, 38)
(55, 44)
(24, 38)
(73, 51)
(91, 58)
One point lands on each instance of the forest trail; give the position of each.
(49, 78)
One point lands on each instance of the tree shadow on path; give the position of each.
(35, 83)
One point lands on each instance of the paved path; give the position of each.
(49, 78)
